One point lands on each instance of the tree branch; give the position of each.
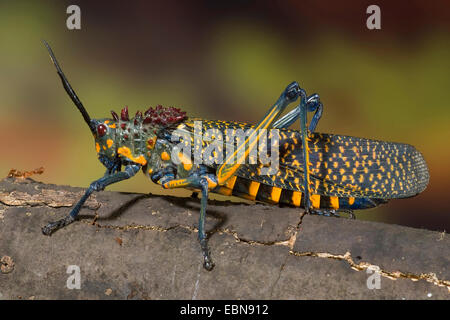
(138, 246)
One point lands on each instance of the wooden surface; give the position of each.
(137, 246)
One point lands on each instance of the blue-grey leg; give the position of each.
(207, 261)
(305, 139)
(97, 185)
(199, 180)
(313, 104)
(307, 104)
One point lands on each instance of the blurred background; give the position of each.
(227, 60)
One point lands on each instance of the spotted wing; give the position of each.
(341, 166)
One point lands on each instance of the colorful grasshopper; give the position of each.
(321, 173)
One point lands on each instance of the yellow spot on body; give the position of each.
(126, 152)
(296, 198)
(150, 170)
(165, 156)
(97, 147)
(187, 163)
(112, 126)
(275, 194)
(315, 201)
(109, 142)
(351, 200)
(334, 202)
(253, 188)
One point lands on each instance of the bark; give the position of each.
(143, 246)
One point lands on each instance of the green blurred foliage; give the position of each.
(233, 67)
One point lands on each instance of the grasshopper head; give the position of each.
(105, 135)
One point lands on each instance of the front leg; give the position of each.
(97, 185)
(204, 182)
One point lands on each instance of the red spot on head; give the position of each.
(101, 130)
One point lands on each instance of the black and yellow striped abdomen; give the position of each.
(255, 191)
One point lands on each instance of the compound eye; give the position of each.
(101, 130)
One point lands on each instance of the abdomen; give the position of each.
(255, 191)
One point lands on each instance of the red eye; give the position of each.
(101, 130)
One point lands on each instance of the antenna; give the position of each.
(69, 89)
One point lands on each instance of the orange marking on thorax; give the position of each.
(109, 142)
(126, 152)
(165, 156)
(187, 163)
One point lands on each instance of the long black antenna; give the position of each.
(69, 89)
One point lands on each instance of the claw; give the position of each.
(53, 226)
(208, 264)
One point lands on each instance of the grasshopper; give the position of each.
(323, 173)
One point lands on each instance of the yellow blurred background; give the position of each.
(227, 60)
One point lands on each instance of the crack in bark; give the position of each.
(289, 242)
(393, 275)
